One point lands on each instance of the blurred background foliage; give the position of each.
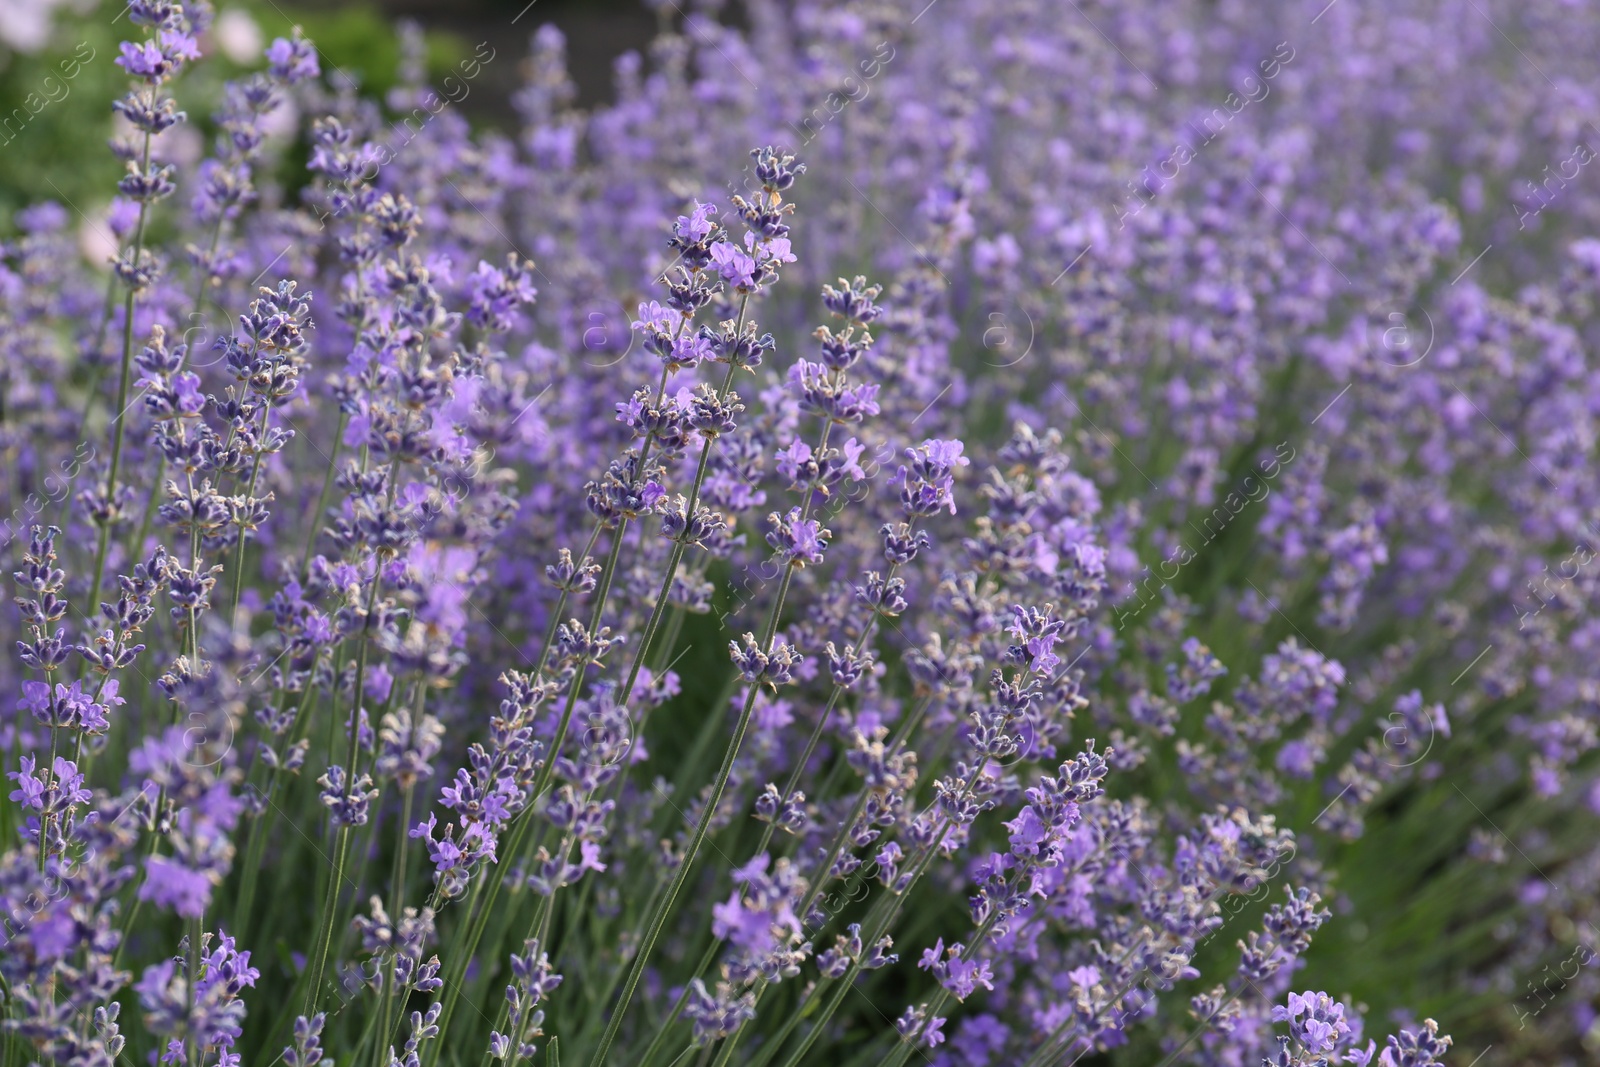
(54, 129)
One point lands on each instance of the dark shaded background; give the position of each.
(597, 32)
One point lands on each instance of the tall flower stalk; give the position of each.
(151, 111)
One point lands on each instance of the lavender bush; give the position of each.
(1076, 548)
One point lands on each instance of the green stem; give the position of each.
(397, 889)
(250, 492)
(50, 779)
(325, 930)
(325, 935)
(190, 1044)
(322, 497)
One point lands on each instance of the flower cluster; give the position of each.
(613, 590)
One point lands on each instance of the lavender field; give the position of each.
(977, 533)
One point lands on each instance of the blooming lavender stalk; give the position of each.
(629, 490)
(765, 661)
(959, 800)
(799, 540)
(226, 190)
(154, 62)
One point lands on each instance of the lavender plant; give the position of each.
(1079, 551)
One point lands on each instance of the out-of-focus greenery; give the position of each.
(59, 152)
(54, 129)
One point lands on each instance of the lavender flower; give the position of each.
(1204, 476)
